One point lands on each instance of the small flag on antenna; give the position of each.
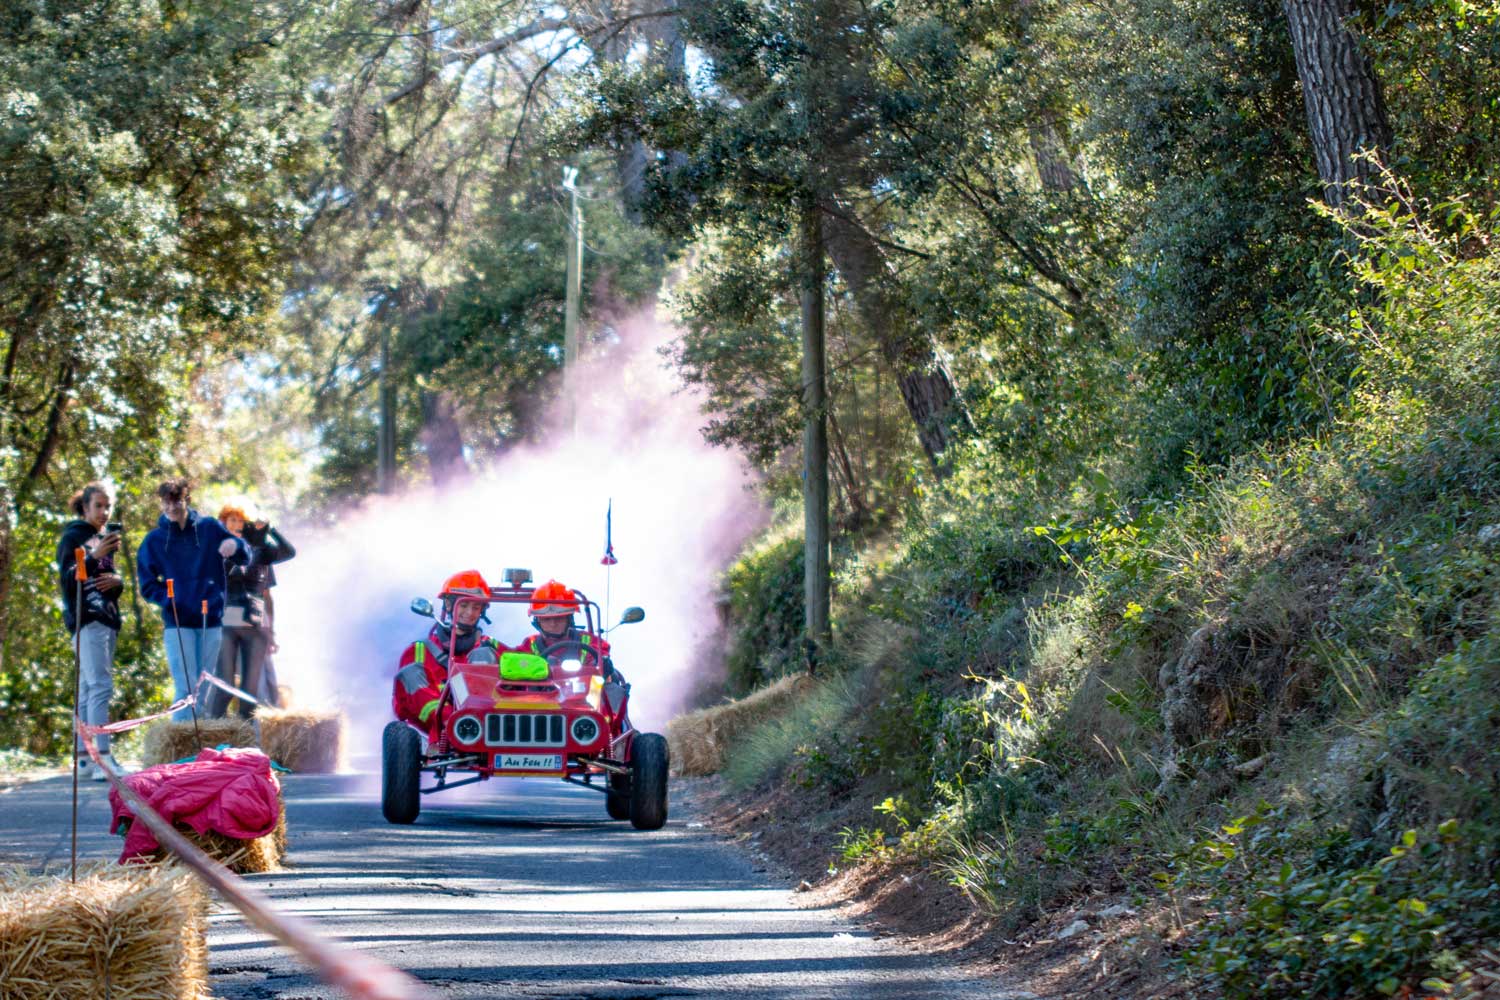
(609, 545)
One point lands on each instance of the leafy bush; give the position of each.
(764, 589)
(1343, 926)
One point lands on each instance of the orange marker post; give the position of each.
(182, 652)
(81, 575)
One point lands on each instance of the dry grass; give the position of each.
(306, 741)
(129, 933)
(698, 739)
(245, 857)
(168, 742)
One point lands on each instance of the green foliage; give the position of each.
(1354, 923)
(765, 602)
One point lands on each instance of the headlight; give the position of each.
(585, 729)
(571, 666)
(467, 730)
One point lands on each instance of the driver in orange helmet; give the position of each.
(552, 609)
(424, 664)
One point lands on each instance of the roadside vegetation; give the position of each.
(1267, 699)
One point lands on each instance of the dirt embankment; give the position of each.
(1099, 945)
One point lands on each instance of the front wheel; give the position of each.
(648, 782)
(400, 773)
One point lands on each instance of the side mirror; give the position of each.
(633, 615)
(421, 606)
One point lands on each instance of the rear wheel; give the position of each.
(617, 802)
(648, 782)
(400, 773)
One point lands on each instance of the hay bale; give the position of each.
(304, 740)
(698, 739)
(246, 857)
(167, 742)
(131, 933)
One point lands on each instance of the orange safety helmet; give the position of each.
(468, 583)
(552, 598)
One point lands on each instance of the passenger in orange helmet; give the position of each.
(424, 664)
(552, 608)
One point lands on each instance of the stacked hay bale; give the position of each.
(699, 739)
(302, 740)
(134, 931)
(168, 742)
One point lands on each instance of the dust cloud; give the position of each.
(682, 509)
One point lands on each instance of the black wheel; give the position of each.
(648, 782)
(617, 802)
(400, 773)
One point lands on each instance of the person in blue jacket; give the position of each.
(191, 551)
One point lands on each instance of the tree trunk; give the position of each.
(5, 559)
(51, 435)
(385, 472)
(814, 442)
(1345, 107)
(926, 385)
(1050, 154)
(442, 439)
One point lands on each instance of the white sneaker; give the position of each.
(114, 765)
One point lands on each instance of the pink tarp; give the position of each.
(229, 792)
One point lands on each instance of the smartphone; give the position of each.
(113, 528)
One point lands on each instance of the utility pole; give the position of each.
(574, 292)
(814, 439)
(385, 478)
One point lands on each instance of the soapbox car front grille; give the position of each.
(523, 729)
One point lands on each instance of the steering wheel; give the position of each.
(570, 649)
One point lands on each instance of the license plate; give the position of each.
(528, 762)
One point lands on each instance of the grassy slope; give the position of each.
(1268, 706)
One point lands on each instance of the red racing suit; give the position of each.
(424, 669)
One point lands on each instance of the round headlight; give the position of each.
(467, 730)
(571, 666)
(585, 729)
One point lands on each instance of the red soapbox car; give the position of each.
(557, 716)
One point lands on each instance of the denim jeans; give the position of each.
(200, 647)
(96, 678)
(241, 659)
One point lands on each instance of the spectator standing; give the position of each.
(95, 624)
(249, 634)
(190, 550)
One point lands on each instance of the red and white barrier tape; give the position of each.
(362, 977)
(125, 725)
(224, 685)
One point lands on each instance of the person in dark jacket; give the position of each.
(95, 625)
(245, 651)
(190, 550)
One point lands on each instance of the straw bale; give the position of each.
(304, 740)
(246, 857)
(135, 932)
(698, 739)
(167, 742)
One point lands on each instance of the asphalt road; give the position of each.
(519, 889)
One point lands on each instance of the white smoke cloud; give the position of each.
(682, 509)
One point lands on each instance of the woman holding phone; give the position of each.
(95, 623)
